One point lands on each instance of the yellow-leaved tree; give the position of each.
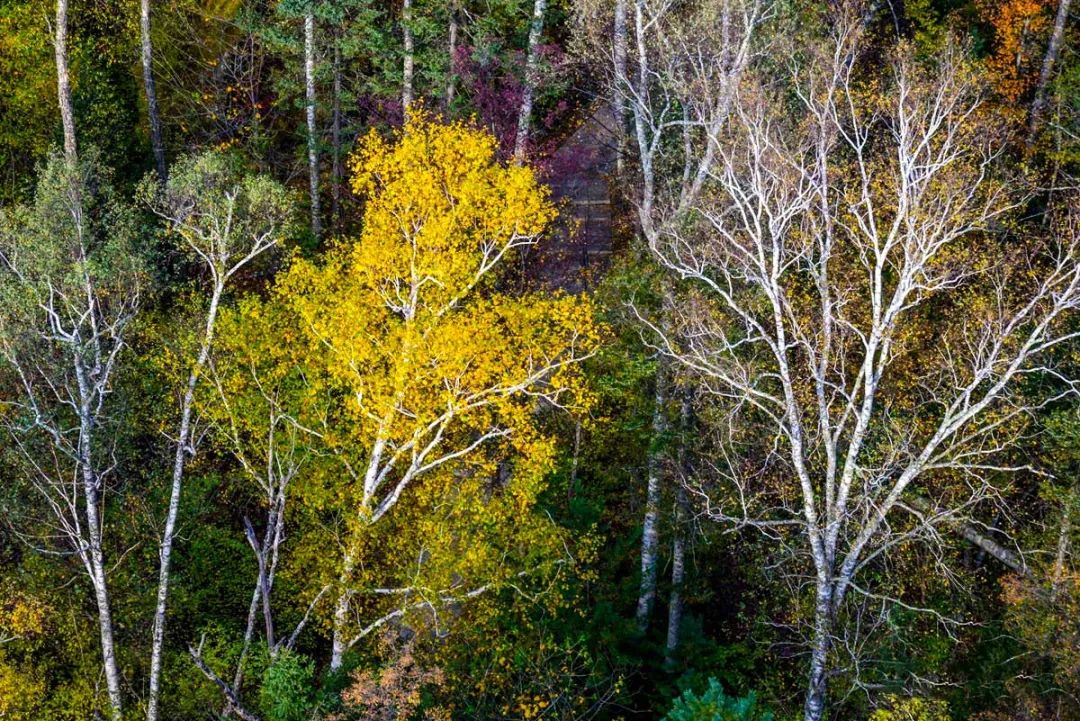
(418, 387)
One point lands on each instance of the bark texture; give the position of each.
(1053, 51)
(63, 81)
(312, 129)
(649, 529)
(409, 60)
(532, 79)
(157, 143)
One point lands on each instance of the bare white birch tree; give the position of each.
(822, 236)
(253, 411)
(226, 220)
(687, 65)
(70, 285)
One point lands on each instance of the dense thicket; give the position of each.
(311, 407)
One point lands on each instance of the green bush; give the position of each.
(288, 688)
(714, 705)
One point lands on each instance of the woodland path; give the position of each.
(581, 172)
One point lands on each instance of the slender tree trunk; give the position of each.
(678, 545)
(96, 557)
(451, 74)
(817, 688)
(335, 137)
(63, 81)
(409, 60)
(149, 87)
(249, 634)
(649, 530)
(1064, 536)
(105, 627)
(678, 571)
(312, 131)
(532, 79)
(619, 51)
(183, 450)
(1053, 50)
(341, 616)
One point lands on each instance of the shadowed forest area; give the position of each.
(539, 360)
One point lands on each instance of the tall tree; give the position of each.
(823, 256)
(682, 67)
(435, 368)
(70, 286)
(226, 220)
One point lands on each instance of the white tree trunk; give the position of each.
(816, 691)
(532, 79)
(94, 555)
(1064, 537)
(63, 81)
(1053, 50)
(150, 88)
(341, 616)
(678, 574)
(335, 139)
(312, 130)
(409, 59)
(451, 73)
(619, 52)
(183, 450)
(649, 530)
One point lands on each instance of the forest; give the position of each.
(539, 360)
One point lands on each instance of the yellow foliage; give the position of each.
(1021, 28)
(422, 385)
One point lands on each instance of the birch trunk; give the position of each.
(452, 34)
(816, 692)
(341, 613)
(532, 70)
(678, 571)
(619, 51)
(1064, 537)
(95, 558)
(1053, 50)
(63, 81)
(678, 545)
(335, 138)
(409, 60)
(150, 89)
(183, 449)
(312, 131)
(649, 531)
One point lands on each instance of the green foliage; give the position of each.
(714, 705)
(912, 709)
(288, 691)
